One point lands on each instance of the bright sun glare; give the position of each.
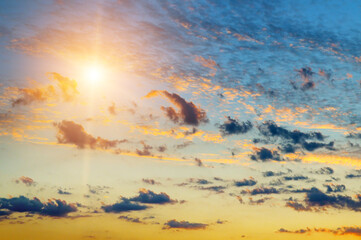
(94, 73)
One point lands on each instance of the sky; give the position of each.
(180, 119)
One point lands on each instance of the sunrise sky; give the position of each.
(180, 119)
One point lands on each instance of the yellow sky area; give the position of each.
(332, 159)
(240, 220)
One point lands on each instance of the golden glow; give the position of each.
(94, 73)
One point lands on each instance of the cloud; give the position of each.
(63, 192)
(112, 110)
(184, 225)
(54, 208)
(298, 138)
(31, 95)
(26, 180)
(150, 181)
(188, 112)
(145, 151)
(354, 230)
(306, 74)
(130, 219)
(295, 178)
(245, 182)
(335, 187)
(65, 87)
(271, 129)
(232, 126)
(261, 190)
(70, 132)
(325, 171)
(272, 174)
(264, 154)
(199, 162)
(125, 205)
(147, 196)
(316, 200)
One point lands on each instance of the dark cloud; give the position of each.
(199, 162)
(147, 196)
(63, 192)
(70, 132)
(259, 201)
(232, 126)
(295, 178)
(184, 225)
(245, 182)
(26, 180)
(272, 174)
(261, 190)
(130, 219)
(335, 187)
(306, 74)
(354, 230)
(145, 151)
(294, 139)
(150, 181)
(183, 145)
(125, 205)
(264, 155)
(316, 200)
(353, 175)
(217, 189)
(325, 171)
(188, 112)
(311, 146)
(271, 129)
(54, 208)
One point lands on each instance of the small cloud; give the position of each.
(184, 225)
(26, 180)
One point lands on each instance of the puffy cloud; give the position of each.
(188, 112)
(184, 225)
(271, 129)
(26, 180)
(316, 200)
(65, 87)
(54, 208)
(147, 196)
(125, 205)
(245, 182)
(232, 126)
(264, 154)
(70, 132)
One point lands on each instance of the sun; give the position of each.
(94, 73)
